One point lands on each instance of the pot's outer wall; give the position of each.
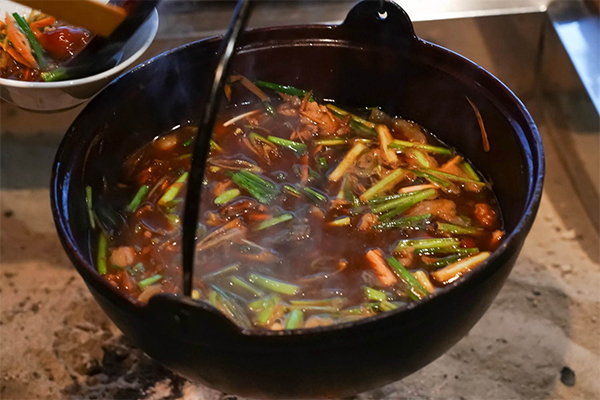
(406, 77)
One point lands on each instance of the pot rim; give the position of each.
(101, 285)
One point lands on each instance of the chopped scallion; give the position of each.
(403, 144)
(274, 221)
(296, 147)
(227, 196)
(374, 294)
(415, 286)
(144, 283)
(173, 190)
(404, 203)
(406, 222)
(274, 285)
(426, 243)
(295, 319)
(137, 199)
(102, 253)
(458, 230)
(89, 204)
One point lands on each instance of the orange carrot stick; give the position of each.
(42, 23)
(19, 43)
(383, 272)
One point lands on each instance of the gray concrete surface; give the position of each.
(56, 343)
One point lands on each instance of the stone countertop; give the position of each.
(539, 340)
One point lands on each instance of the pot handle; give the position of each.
(380, 21)
(189, 319)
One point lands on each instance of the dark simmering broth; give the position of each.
(310, 215)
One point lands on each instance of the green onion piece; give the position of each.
(269, 108)
(406, 222)
(434, 251)
(337, 302)
(292, 190)
(191, 140)
(391, 179)
(242, 284)
(360, 128)
(405, 202)
(102, 253)
(457, 229)
(235, 267)
(392, 213)
(38, 52)
(57, 74)
(283, 89)
(296, 147)
(274, 285)
(342, 113)
(407, 277)
(452, 177)
(255, 137)
(136, 269)
(442, 262)
(403, 144)
(274, 221)
(173, 190)
(468, 168)
(385, 199)
(374, 294)
(137, 199)
(295, 319)
(316, 309)
(314, 195)
(174, 218)
(359, 310)
(88, 203)
(144, 283)
(421, 158)
(322, 162)
(261, 189)
(213, 145)
(387, 306)
(426, 243)
(229, 307)
(262, 303)
(227, 196)
(330, 142)
(432, 178)
(267, 315)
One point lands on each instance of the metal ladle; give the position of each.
(202, 143)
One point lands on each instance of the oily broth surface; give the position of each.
(307, 250)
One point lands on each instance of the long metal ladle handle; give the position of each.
(202, 144)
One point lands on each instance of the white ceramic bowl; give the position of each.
(59, 96)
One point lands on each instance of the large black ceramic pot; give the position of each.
(371, 58)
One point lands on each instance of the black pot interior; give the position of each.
(168, 91)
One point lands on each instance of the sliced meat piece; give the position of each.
(367, 222)
(441, 208)
(408, 131)
(123, 256)
(485, 215)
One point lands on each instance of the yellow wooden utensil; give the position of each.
(101, 19)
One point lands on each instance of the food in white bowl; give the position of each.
(24, 66)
